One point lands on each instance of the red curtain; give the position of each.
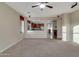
(21, 18)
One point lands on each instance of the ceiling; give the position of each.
(58, 8)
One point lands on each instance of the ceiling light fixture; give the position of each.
(42, 6)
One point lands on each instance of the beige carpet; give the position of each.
(42, 48)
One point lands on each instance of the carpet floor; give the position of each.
(42, 48)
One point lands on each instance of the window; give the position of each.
(34, 26)
(22, 26)
(76, 33)
(64, 33)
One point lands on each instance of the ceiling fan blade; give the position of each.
(44, 2)
(34, 6)
(49, 6)
(74, 5)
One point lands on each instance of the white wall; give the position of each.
(66, 27)
(37, 34)
(9, 27)
(75, 25)
(71, 24)
(59, 28)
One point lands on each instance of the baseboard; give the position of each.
(59, 38)
(11, 45)
(36, 38)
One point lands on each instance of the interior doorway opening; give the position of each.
(55, 30)
(50, 33)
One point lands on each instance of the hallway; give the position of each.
(42, 48)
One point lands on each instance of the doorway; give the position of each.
(49, 31)
(54, 29)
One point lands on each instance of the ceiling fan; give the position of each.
(42, 5)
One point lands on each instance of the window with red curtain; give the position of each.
(21, 24)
